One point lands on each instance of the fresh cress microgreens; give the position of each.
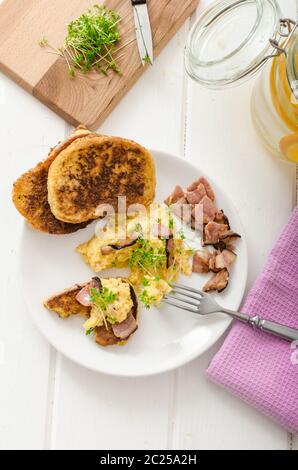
(90, 42)
(147, 59)
(146, 258)
(145, 282)
(102, 298)
(147, 299)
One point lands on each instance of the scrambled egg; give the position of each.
(91, 253)
(116, 311)
(147, 257)
(153, 290)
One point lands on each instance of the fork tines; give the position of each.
(180, 297)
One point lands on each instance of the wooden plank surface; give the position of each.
(221, 139)
(49, 402)
(211, 418)
(137, 412)
(25, 356)
(85, 98)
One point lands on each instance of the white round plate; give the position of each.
(167, 337)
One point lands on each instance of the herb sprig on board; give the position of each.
(91, 41)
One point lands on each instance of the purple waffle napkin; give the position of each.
(259, 368)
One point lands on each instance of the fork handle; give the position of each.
(276, 329)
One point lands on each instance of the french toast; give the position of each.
(30, 192)
(66, 303)
(91, 172)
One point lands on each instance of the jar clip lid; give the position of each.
(286, 30)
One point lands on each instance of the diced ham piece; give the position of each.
(125, 243)
(205, 261)
(229, 242)
(208, 188)
(218, 282)
(209, 209)
(203, 213)
(197, 222)
(206, 185)
(221, 218)
(182, 210)
(224, 259)
(213, 233)
(195, 196)
(177, 194)
(126, 328)
(230, 234)
(193, 186)
(83, 297)
(106, 250)
(200, 262)
(170, 248)
(212, 262)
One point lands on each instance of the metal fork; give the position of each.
(196, 301)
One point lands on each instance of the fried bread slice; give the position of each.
(91, 172)
(30, 192)
(65, 304)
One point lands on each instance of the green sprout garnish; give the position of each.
(90, 43)
(102, 298)
(145, 282)
(43, 42)
(71, 71)
(147, 258)
(147, 59)
(139, 230)
(88, 332)
(147, 299)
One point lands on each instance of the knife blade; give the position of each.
(143, 31)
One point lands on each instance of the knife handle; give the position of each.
(138, 2)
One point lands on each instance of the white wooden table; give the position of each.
(48, 402)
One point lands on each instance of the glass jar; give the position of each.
(230, 42)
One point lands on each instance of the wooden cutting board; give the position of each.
(86, 98)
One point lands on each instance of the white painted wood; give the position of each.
(220, 138)
(26, 132)
(49, 402)
(211, 418)
(261, 186)
(94, 411)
